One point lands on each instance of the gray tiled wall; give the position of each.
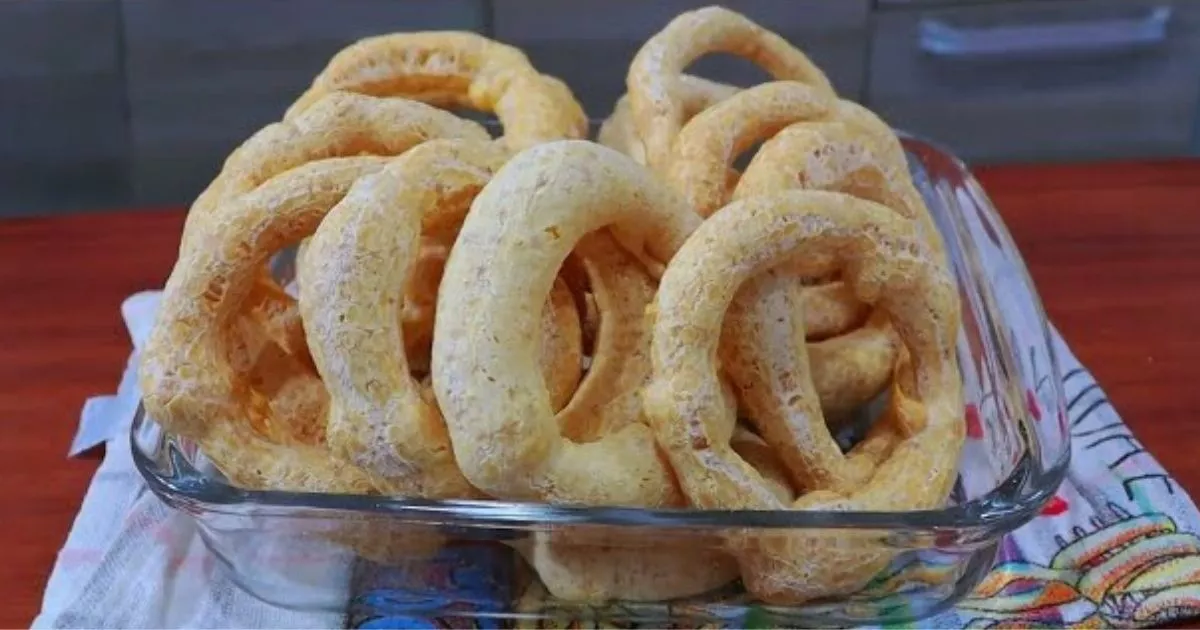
(64, 141)
(205, 74)
(120, 103)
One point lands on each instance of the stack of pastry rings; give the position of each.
(536, 317)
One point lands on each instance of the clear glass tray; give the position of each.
(302, 551)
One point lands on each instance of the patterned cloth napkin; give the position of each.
(1116, 547)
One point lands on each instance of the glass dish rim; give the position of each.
(1014, 501)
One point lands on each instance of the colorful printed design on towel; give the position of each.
(1132, 571)
(463, 586)
(1115, 548)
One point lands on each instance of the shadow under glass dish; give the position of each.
(326, 552)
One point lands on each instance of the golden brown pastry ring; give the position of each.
(855, 367)
(356, 266)
(336, 125)
(562, 335)
(420, 301)
(609, 396)
(520, 229)
(620, 566)
(695, 94)
(654, 74)
(887, 265)
(271, 346)
(188, 381)
(709, 143)
(365, 248)
(461, 69)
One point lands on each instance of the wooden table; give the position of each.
(1114, 249)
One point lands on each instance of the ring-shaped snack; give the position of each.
(609, 396)
(188, 381)
(456, 69)
(357, 263)
(848, 370)
(339, 124)
(562, 335)
(855, 152)
(420, 302)
(696, 94)
(520, 229)
(707, 146)
(271, 339)
(351, 278)
(654, 74)
(919, 442)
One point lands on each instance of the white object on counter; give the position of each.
(132, 562)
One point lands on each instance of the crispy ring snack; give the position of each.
(519, 231)
(887, 265)
(420, 300)
(609, 396)
(848, 370)
(363, 254)
(561, 345)
(769, 363)
(437, 67)
(562, 337)
(579, 568)
(189, 383)
(856, 153)
(460, 69)
(710, 142)
(696, 94)
(658, 114)
(853, 368)
(338, 125)
(707, 146)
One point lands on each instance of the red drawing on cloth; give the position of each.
(974, 424)
(1055, 506)
(1031, 401)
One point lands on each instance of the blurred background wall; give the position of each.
(110, 104)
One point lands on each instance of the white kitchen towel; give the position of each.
(132, 562)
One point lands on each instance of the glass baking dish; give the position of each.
(302, 551)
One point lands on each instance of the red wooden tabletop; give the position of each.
(1114, 249)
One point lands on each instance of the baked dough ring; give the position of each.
(338, 125)
(620, 566)
(658, 113)
(520, 229)
(189, 383)
(609, 396)
(853, 368)
(420, 301)
(861, 155)
(350, 280)
(707, 146)
(695, 94)
(887, 265)
(562, 335)
(461, 69)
